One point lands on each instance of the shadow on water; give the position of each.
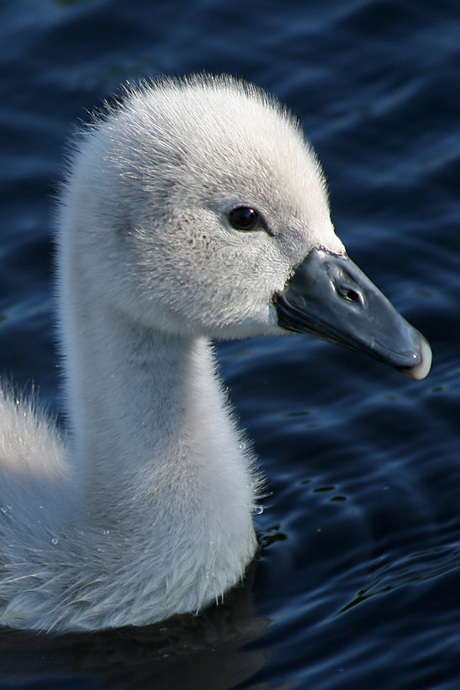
(186, 652)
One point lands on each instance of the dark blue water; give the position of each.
(357, 585)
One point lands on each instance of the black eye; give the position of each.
(245, 218)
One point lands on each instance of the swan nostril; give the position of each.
(350, 295)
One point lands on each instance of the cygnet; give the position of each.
(192, 210)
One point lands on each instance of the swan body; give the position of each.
(146, 510)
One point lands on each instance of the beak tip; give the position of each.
(422, 367)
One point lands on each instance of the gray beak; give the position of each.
(331, 298)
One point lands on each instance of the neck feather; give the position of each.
(148, 410)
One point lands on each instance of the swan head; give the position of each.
(196, 207)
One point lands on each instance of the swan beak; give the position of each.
(329, 297)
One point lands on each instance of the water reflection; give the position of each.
(186, 652)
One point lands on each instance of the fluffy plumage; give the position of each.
(147, 509)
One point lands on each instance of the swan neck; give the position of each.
(138, 398)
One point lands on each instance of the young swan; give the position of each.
(193, 210)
